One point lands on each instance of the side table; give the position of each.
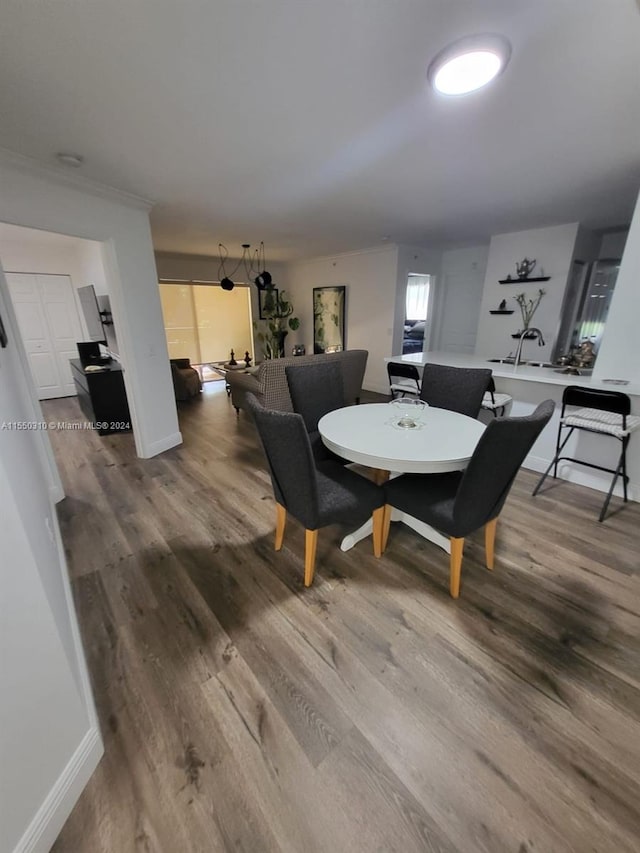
(241, 366)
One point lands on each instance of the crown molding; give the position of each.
(60, 175)
(383, 247)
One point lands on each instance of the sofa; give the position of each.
(413, 337)
(269, 383)
(186, 379)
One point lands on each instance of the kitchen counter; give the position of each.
(529, 386)
(523, 372)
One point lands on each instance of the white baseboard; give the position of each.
(583, 477)
(161, 445)
(56, 493)
(50, 817)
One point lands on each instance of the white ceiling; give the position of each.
(310, 124)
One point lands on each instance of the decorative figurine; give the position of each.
(232, 360)
(525, 268)
(503, 305)
(585, 355)
(247, 358)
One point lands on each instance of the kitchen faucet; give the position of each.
(523, 334)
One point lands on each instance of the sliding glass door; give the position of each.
(204, 323)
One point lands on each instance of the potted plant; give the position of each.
(272, 331)
(528, 308)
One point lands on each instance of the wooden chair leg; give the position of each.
(457, 546)
(281, 520)
(378, 530)
(386, 526)
(380, 476)
(490, 541)
(310, 545)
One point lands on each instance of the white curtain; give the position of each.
(417, 303)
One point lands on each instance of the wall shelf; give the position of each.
(500, 311)
(530, 336)
(523, 280)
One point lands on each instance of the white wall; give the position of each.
(587, 245)
(613, 244)
(49, 738)
(35, 198)
(619, 357)
(42, 258)
(462, 282)
(553, 249)
(91, 266)
(371, 278)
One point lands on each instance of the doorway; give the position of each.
(417, 311)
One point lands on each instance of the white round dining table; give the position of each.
(369, 435)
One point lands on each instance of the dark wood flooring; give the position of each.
(241, 712)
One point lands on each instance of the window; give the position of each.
(204, 323)
(417, 300)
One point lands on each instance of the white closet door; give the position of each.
(48, 319)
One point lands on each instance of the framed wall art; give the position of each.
(267, 301)
(329, 310)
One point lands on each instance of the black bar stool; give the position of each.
(495, 402)
(606, 412)
(403, 379)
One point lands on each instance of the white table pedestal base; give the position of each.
(420, 527)
(358, 535)
(425, 530)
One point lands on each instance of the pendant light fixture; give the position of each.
(263, 279)
(254, 267)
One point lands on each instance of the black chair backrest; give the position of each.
(459, 389)
(592, 398)
(493, 467)
(315, 389)
(396, 370)
(290, 459)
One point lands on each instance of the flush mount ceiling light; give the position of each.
(469, 64)
(69, 159)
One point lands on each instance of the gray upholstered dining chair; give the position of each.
(459, 389)
(315, 495)
(460, 502)
(315, 390)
